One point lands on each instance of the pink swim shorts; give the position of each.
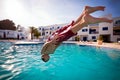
(63, 33)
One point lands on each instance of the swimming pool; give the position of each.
(70, 62)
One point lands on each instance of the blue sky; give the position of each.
(46, 12)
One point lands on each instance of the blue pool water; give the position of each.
(69, 62)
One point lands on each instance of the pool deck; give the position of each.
(26, 42)
(109, 45)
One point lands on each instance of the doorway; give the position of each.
(106, 38)
(84, 38)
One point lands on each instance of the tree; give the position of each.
(19, 28)
(7, 25)
(77, 38)
(36, 33)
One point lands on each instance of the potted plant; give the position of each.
(100, 40)
(77, 38)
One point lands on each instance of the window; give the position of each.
(93, 31)
(20, 34)
(46, 32)
(93, 37)
(43, 33)
(39, 28)
(50, 28)
(43, 29)
(58, 27)
(105, 28)
(117, 22)
(84, 30)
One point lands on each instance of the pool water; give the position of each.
(69, 62)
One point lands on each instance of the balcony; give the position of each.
(93, 31)
(116, 30)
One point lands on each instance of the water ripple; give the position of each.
(67, 63)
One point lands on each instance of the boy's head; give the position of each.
(45, 57)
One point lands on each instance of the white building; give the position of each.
(116, 29)
(48, 30)
(109, 31)
(93, 31)
(13, 34)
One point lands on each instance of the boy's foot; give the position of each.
(89, 9)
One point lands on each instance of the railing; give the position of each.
(116, 33)
(94, 24)
(94, 32)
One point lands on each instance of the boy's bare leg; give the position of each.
(92, 20)
(88, 19)
(89, 10)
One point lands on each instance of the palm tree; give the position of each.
(32, 31)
